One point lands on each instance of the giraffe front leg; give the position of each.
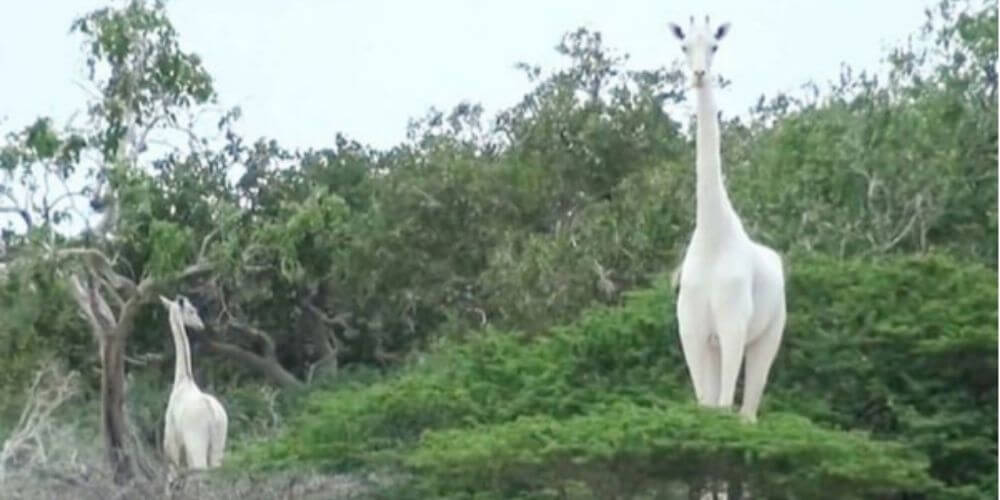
(732, 307)
(732, 340)
(694, 329)
(172, 453)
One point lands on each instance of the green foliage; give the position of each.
(479, 236)
(171, 248)
(902, 348)
(628, 450)
(149, 74)
(572, 196)
(866, 166)
(253, 413)
(495, 378)
(42, 139)
(34, 158)
(607, 247)
(38, 323)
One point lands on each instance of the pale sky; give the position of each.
(302, 70)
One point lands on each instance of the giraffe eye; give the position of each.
(714, 48)
(684, 48)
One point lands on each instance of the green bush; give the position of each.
(36, 326)
(903, 348)
(627, 449)
(495, 378)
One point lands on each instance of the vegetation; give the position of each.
(482, 310)
(612, 388)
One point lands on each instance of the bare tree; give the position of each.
(110, 302)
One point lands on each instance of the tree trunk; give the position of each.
(113, 407)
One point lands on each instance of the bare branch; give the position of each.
(99, 306)
(115, 296)
(100, 314)
(325, 340)
(604, 283)
(902, 233)
(129, 313)
(338, 320)
(267, 366)
(483, 319)
(145, 292)
(318, 364)
(101, 319)
(141, 143)
(94, 94)
(247, 254)
(72, 201)
(272, 399)
(204, 244)
(24, 214)
(102, 263)
(150, 284)
(7, 194)
(381, 355)
(85, 252)
(270, 350)
(145, 359)
(329, 345)
(67, 194)
(50, 389)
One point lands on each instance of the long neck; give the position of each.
(182, 358)
(715, 213)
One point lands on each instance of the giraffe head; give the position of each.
(189, 314)
(699, 45)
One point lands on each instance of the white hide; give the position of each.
(195, 431)
(731, 297)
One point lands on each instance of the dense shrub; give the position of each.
(903, 348)
(626, 450)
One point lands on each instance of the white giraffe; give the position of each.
(731, 298)
(195, 431)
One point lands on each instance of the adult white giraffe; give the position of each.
(195, 431)
(731, 298)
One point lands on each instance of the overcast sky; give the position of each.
(302, 70)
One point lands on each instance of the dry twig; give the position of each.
(25, 446)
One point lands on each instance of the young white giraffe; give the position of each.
(731, 298)
(195, 432)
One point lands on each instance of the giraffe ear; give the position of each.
(677, 31)
(165, 301)
(721, 32)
